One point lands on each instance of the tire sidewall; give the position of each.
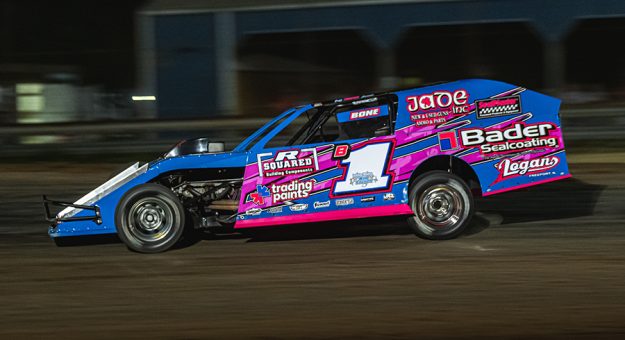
(173, 203)
(427, 180)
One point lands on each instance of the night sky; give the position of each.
(95, 37)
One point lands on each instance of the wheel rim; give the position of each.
(440, 206)
(150, 219)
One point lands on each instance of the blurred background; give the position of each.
(86, 86)
(135, 76)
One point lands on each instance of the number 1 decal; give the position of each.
(365, 170)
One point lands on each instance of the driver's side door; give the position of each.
(338, 160)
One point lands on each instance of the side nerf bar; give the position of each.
(97, 217)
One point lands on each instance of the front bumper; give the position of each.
(56, 219)
(73, 212)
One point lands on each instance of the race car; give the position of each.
(421, 152)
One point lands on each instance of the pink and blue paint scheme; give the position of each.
(508, 135)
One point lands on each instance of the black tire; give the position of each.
(442, 204)
(150, 218)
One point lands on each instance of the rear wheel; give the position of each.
(150, 218)
(442, 204)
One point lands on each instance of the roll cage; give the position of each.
(317, 115)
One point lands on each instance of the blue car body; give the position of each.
(433, 121)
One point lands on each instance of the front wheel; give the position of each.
(442, 204)
(150, 218)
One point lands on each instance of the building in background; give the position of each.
(204, 58)
(66, 60)
(81, 61)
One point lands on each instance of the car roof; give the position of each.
(371, 95)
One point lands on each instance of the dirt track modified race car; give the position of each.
(420, 152)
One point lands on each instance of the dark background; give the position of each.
(205, 59)
(541, 263)
(96, 38)
(68, 66)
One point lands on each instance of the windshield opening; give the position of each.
(266, 129)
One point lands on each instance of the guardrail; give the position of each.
(156, 136)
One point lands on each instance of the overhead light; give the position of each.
(140, 98)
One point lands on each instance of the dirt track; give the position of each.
(544, 263)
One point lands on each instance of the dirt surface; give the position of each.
(547, 262)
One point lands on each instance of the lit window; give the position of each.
(29, 102)
(28, 89)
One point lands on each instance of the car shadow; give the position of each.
(380, 226)
(90, 240)
(557, 200)
(568, 198)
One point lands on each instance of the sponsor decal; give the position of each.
(366, 113)
(293, 190)
(319, 205)
(258, 197)
(488, 108)
(367, 199)
(344, 202)
(363, 101)
(389, 196)
(447, 140)
(254, 211)
(362, 114)
(437, 107)
(516, 138)
(341, 151)
(274, 210)
(362, 178)
(288, 162)
(298, 207)
(350, 98)
(513, 168)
